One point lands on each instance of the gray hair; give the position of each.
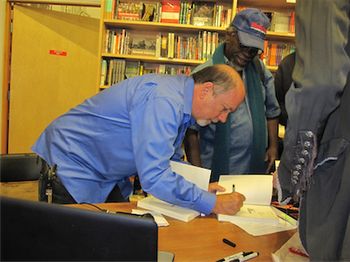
(222, 79)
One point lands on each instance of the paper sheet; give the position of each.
(259, 229)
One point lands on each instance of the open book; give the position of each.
(196, 175)
(258, 192)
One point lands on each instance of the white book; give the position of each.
(170, 210)
(158, 218)
(258, 192)
(197, 175)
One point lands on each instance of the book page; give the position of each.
(252, 213)
(257, 189)
(197, 175)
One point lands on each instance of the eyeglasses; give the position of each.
(252, 51)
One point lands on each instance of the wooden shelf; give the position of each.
(153, 59)
(155, 26)
(281, 35)
(89, 3)
(269, 4)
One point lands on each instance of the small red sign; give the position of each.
(58, 52)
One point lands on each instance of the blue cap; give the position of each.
(252, 25)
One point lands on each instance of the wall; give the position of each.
(2, 33)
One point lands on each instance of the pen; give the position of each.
(228, 242)
(229, 258)
(245, 256)
(288, 219)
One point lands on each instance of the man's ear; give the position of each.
(206, 89)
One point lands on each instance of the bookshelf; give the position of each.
(174, 41)
(163, 45)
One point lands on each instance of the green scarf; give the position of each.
(221, 156)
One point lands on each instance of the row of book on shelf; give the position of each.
(199, 13)
(274, 52)
(167, 45)
(116, 70)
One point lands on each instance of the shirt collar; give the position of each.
(188, 98)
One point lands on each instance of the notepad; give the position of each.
(197, 175)
(258, 192)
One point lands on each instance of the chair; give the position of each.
(19, 167)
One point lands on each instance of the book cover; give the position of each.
(129, 11)
(148, 11)
(257, 190)
(132, 69)
(143, 45)
(203, 13)
(170, 11)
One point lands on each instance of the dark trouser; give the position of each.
(51, 182)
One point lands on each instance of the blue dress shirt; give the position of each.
(134, 127)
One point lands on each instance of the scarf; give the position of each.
(220, 160)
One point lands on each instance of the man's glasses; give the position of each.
(252, 51)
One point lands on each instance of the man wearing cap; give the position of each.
(247, 142)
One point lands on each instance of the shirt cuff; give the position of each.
(206, 203)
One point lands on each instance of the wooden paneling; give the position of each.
(44, 85)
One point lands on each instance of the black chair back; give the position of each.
(19, 167)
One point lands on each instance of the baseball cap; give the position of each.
(251, 25)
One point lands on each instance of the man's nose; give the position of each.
(223, 117)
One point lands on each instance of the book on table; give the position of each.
(196, 175)
(257, 190)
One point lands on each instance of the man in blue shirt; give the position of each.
(136, 127)
(247, 142)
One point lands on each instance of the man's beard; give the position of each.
(202, 122)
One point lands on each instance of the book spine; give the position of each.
(103, 72)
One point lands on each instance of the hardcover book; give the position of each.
(129, 11)
(196, 175)
(170, 11)
(143, 45)
(203, 13)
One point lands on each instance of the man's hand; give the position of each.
(215, 187)
(228, 204)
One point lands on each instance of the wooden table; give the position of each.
(201, 238)
(27, 190)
